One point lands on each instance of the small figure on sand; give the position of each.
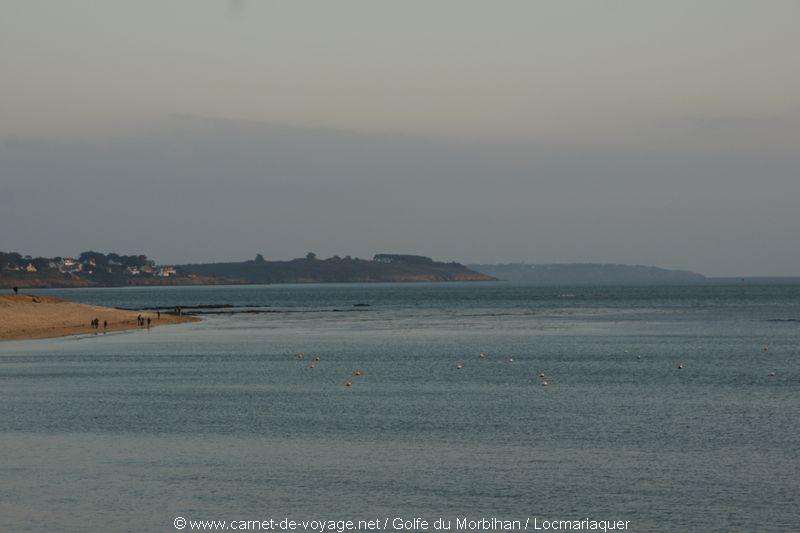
(105, 324)
(16, 290)
(148, 322)
(158, 315)
(139, 320)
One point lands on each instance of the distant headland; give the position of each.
(310, 269)
(588, 274)
(95, 269)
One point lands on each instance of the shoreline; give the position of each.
(27, 316)
(234, 283)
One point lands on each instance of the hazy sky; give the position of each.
(634, 131)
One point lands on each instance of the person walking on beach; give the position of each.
(158, 315)
(16, 290)
(148, 322)
(105, 324)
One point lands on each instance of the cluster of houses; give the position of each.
(87, 264)
(13, 267)
(160, 271)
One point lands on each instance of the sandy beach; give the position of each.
(26, 316)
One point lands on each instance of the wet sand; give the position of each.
(25, 316)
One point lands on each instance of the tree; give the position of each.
(99, 258)
(259, 258)
(311, 256)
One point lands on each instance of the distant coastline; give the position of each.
(94, 269)
(588, 274)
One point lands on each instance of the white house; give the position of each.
(166, 271)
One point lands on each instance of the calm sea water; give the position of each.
(220, 419)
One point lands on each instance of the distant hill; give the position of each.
(587, 274)
(382, 268)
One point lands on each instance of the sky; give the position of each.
(640, 132)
